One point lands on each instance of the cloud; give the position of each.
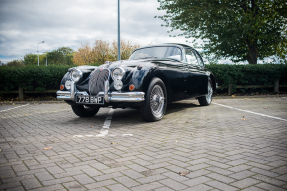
(23, 24)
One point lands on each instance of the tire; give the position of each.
(155, 103)
(85, 111)
(206, 100)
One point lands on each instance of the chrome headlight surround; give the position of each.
(118, 73)
(76, 75)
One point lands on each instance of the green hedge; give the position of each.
(49, 77)
(32, 77)
(260, 74)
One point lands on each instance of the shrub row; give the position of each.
(49, 77)
(37, 78)
(260, 74)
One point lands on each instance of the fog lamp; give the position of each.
(118, 84)
(68, 84)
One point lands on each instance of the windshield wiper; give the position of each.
(148, 57)
(174, 59)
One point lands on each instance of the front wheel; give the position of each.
(154, 106)
(85, 111)
(206, 100)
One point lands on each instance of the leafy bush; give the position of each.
(32, 77)
(49, 77)
(260, 74)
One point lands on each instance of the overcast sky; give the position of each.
(25, 23)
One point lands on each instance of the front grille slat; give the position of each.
(97, 80)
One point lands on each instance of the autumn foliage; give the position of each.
(102, 51)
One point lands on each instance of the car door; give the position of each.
(177, 73)
(203, 77)
(197, 79)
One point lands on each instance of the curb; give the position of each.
(31, 102)
(250, 97)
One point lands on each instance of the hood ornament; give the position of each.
(107, 63)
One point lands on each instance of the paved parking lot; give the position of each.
(233, 144)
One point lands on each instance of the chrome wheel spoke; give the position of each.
(157, 100)
(209, 94)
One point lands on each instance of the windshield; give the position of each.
(159, 52)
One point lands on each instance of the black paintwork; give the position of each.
(182, 80)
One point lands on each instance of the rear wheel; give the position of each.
(85, 111)
(156, 100)
(206, 100)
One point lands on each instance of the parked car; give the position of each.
(148, 80)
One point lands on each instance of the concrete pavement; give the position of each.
(233, 144)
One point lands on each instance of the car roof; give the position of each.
(167, 44)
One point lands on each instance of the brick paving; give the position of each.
(219, 149)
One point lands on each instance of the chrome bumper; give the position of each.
(108, 96)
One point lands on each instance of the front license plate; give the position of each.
(90, 100)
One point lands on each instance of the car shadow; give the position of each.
(123, 117)
(179, 106)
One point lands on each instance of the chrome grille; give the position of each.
(97, 80)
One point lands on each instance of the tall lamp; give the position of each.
(119, 31)
(38, 50)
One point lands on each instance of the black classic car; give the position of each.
(148, 80)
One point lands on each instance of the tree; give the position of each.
(127, 49)
(102, 51)
(84, 55)
(31, 59)
(239, 29)
(61, 56)
(15, 63)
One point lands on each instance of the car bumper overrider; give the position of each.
(113, 96)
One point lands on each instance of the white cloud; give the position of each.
(23, 24)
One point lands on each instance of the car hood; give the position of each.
(130, 63)
(143, 63)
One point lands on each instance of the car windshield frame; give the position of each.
(158, 52)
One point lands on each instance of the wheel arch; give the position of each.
(213, 82)
(165, 81)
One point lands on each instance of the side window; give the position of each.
(173, 52)
(190, 57)
(198, 57)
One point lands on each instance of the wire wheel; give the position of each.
(157, 100)
(154, 107)
(209, 95)
(206, 100)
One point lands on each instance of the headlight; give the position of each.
(118, 84)
(76, 75)
(118, 74)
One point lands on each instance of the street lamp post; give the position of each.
(38, 50)
(46, 58)
(119, 38)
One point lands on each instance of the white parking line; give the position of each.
(107, 123)
(105, 129)
(110, 135)
(14, 108)
(251, 112)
